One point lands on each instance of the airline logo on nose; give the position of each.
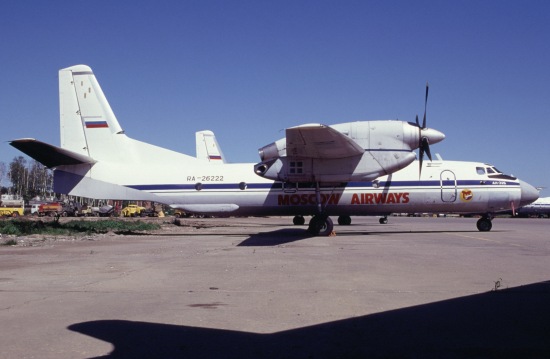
(466, 195)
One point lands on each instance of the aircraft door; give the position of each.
(448, 186)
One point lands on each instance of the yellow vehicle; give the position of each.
(11, 206)
(179, 213)
(11, 211)
(132, 210)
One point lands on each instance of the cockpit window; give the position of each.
(480, 170)
(493, 172)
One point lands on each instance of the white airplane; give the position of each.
(539, 208)
(316, 170)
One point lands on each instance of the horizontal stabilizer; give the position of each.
(49, 155)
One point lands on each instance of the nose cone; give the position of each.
(433, 136)
(529, 194)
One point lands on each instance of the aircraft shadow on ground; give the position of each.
(275, 238)
(506, 323)
(289, 235)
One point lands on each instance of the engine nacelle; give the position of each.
(354, 151)
(360, 168)
(273, 150)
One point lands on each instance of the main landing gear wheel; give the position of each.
(320, 225)
(383, 220)
(484, 224)
(344, 220)
(298, 220)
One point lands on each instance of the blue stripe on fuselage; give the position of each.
(278, 185)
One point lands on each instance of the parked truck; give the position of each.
(11, 206)
(51, 209)
(62, 209)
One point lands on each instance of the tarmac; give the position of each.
(262, 288)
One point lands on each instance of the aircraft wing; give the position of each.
(320, 141)
(49, 155)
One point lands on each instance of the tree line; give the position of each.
(28, 179)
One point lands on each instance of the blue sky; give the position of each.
(248, 69)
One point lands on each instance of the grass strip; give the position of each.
(22, 227)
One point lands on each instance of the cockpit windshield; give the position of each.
(493, 172)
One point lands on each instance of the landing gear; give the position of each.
(344, 220)
(320, 225)
(484, 224)
(298, 220)
(383, 220)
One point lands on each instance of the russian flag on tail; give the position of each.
(96, 123)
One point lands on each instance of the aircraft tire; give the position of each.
(484, 225)
(344, 220)
(383, 220)
(298, 220)
(320, 225)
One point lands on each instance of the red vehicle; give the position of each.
(50, 209)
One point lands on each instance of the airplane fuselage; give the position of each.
(234, 189)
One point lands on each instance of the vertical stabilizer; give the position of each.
(88, 125)
(90, 128)
(208, 148)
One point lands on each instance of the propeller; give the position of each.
(424, 143)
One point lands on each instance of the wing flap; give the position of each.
(320, 141)
(49, 155)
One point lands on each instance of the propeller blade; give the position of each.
(420, 157)
(425, 105)
(426, 147)
(423, 142)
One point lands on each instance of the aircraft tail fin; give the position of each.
(90, 128)
(88, 125)
(208, 148)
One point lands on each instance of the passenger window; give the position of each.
(480, 170)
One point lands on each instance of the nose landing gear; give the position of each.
(484, 224)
